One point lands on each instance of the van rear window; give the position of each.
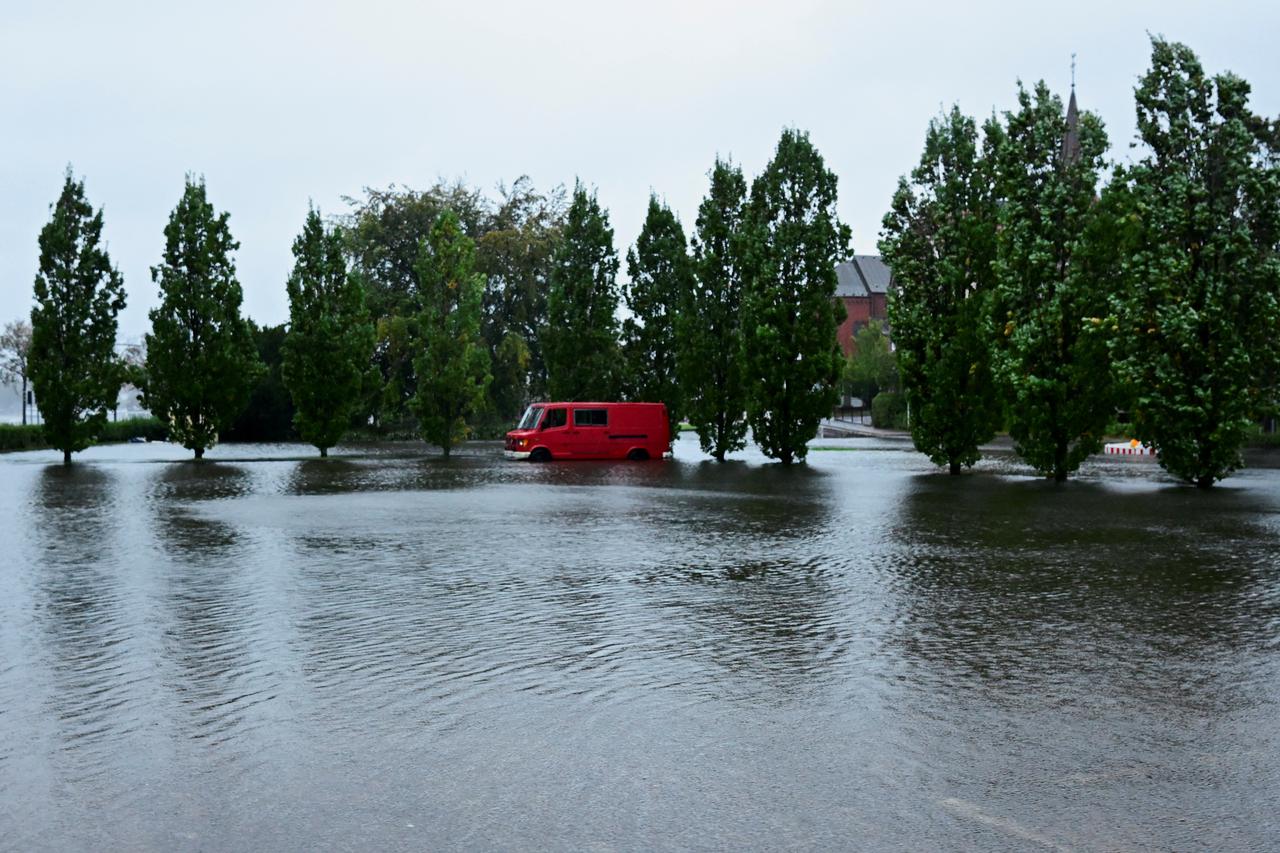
(590, 417)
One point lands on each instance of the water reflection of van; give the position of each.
(590, 431)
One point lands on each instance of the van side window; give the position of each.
(555, 418)
(590, 417)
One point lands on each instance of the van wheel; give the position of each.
(638, 455)
(540, 455)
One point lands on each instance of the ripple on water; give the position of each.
(501, 652)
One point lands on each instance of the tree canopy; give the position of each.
(580, 339)
(330, 340)
(1195, 332)
(201, 359)
(78, 295)
(709, 328)
(661, 283)
(939, 239)
(1049, 282)
(791, 359)
(453, 366)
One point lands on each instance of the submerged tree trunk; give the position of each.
(66, 457)
(324, 452)
(199, 453)
(955, 468)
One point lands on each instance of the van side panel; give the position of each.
(629, 427)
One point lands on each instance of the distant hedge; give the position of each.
(152, 429)
(31, 436)
(20, 437)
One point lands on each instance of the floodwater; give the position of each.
(388, 651)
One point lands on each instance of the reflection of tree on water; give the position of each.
(1068, 592)
(80, 607)
(213, 633)
(751, 593)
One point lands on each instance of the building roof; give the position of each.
(863, 276)
(875, 273)
(848, 281)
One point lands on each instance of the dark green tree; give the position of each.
(873, 365)
(385, 228)
(453, 369)
(580, 340)
(382, 235)
(78, 294)
(792, 361)
(939, 239)
(1056, 375)
(1195, 337)
(509, 391)
(268, 416)
(661, 282)
(516, 257)
(709, 329)
(201, 360)
(330, 342)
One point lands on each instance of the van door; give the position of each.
(554, 433)
(592, 425)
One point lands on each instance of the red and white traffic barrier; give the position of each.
(1128, 448)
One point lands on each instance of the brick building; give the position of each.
(862, 286)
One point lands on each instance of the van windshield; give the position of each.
(530, 418)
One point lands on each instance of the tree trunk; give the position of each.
(444, 448)
(324, 453)
(66, 457)
(199, 453)
(955, 468)
(24, 399)
(1205, 480)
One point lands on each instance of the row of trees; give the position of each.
(443, 309)
(1031, 294)
(732, 329)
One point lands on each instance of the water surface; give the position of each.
(386, 650)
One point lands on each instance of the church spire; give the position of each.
(1071, 139)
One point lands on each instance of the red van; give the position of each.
(590, 431)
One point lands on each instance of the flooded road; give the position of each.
(390, 651)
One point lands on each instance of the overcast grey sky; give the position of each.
(278, 103)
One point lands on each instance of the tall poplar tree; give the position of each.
(580, 340)
(709, 329)
(1055, 373)
(661, 282)
(939, 239)
(329, 345)
(792, 361)
(78, 294)
(1195, 337)
(453, 368)
(201, 360)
